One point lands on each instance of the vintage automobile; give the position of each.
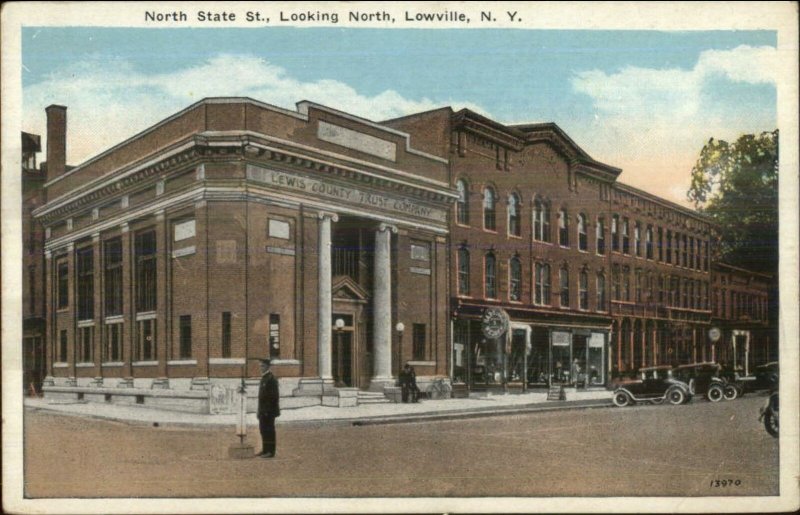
(706, 379)
(766, 376)
(770, 414)
(654, 385)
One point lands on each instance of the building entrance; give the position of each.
(343, 358)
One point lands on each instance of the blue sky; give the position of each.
(645, 101)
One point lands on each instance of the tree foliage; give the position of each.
(736, 184)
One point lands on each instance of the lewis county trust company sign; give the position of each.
(348, 194)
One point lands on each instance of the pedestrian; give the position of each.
(268, 409)
(408, 384)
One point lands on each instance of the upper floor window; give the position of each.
(490, 276)
(601, 292)
(85, 273)
(626, 239)
(626, 284)
(601, 236)
(685, 253)
(563, 228)
(615, 233)
(463, 271)
(541, 220)
(563, 275)
(541, 294)
(462, 205)
(660, 244)
(145, 253)
(669, 247)
(583, 290)
(63, 284)
(489, 209)
(637, 239)
(583, 240)
(112, 253)
(648, 242)
(515, 279)
(638, 285)
(514, 214)
(616, 283)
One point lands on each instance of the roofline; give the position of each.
(529, 128)
(721, 264)
(443, 108)
(667, 203)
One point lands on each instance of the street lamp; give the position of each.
(338, 325)
(400, 327)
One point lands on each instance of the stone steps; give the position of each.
(371, 398)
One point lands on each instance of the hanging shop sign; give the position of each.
(494, 322)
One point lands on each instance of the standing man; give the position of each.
(268, 409)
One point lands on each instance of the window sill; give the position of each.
(226, 361)
(414, 363)
(61, 365)
(85, 323)
(84, 365)
(180, 362)
(113, 364)
(145, 363)
(146, 315)
(115, 319)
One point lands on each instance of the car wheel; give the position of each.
(659, 400)
(731, 392)
(771, 423)
(622, 399)
(676, 396)
(715, 393)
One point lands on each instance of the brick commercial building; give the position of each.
(343, 248)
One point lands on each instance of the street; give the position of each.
(636, 451)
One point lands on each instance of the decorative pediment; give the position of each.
(343, 287)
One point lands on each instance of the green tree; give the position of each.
(736, 184)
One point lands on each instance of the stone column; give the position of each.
(324, 350)
(382, 311)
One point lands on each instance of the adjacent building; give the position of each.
(343, 248)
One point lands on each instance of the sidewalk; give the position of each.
(365, 414)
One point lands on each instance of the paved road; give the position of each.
(643, 450)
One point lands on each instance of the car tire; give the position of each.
(771, 423)
(622, 399)
(715, 393)
(676, 396)
(731, 392)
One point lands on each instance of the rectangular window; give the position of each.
(419, 341)
(638, 279)
(112, 254)
(626, 238)
(146, 342)
(85, 344)
(616, 284)
(463, 271)
(85, 269)
(226, 334)
(62, 346)
(63, 284)
(185, 324)
(637, 239)
(542, 293)
(583, 291)
(685, 254)
(648, 242)
(601, 292)
(626, 284)
(669, 246)
(274, 335)
(145, 252)
(563, 228)
(615, 233)
(113, 346)
(692, 260)
(601, 236)
(564, 282)
(660, 244)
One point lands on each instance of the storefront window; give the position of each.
(560, 357)
(594, 360)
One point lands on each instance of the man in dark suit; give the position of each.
(268, 409)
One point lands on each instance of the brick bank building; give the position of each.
(342, 248)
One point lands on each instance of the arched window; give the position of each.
(626, 238)
(583, 240)
(601, 292)
(541, 294)
(462, 206)
(615, 233)
(563, 279)
(463, 271)
(489, 209)
(563, 228)
(616, 283)
(515, 279)
(648, 242)
(490, 276)
(583, 290)
(541, 220)
(601, 236)
(514, 207)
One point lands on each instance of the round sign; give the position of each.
(714, 334)
(494, 322)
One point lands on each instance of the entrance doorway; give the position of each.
(342, 368)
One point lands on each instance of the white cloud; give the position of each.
(653, 122)
(109, 101)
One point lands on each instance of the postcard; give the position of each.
(356, 257)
